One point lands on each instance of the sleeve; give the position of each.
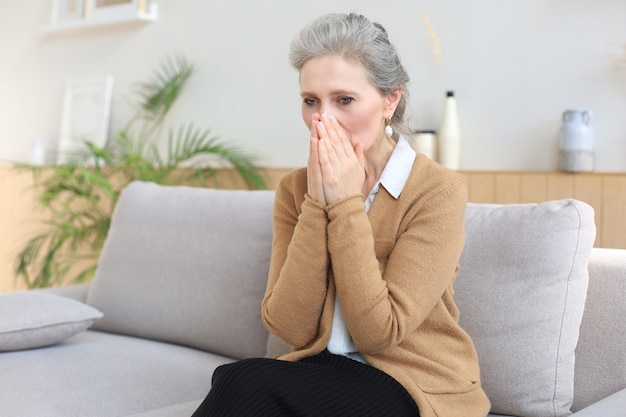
(382, 310)
(298, 275)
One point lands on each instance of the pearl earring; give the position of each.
(388, 128)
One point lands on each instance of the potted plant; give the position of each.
(80, 195)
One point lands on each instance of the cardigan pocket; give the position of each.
(452, 389)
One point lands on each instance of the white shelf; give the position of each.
(137, 17)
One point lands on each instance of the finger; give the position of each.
(344, 139)
(313, 148)
(322, 132)
(330, 151)
(324, 157)
(332, 180)
(314, 155)
(360, 153)
(315, 186)
(313, 141)
(335, 134)
(314, 128)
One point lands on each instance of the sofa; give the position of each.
(182, 273)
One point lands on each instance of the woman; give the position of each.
(367, 241)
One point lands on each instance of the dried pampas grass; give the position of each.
(617, 55)
(433, 37)
(620, 61)
(436, 48)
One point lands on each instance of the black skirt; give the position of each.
(323, 385)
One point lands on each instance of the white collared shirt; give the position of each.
(393, 178)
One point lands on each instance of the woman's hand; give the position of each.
(342, 166)
(315, 189)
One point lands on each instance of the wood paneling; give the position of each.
(18, 219)
(534, 188)
(481, 187)
(606, 193)
(614, 212)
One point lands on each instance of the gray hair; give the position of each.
(354, 36)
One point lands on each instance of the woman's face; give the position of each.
(338, 86)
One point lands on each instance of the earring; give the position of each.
(388, 128)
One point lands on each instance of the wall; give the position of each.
(514, 64)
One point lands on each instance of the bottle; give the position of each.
(576, 142)
(450, 134)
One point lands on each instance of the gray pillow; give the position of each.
(35, 319)
(521, 292)
(187, 265)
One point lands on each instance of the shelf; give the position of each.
(84, 24)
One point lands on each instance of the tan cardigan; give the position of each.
(393, 269)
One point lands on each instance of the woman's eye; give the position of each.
(345, 100)
(310, 101)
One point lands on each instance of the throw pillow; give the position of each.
(187, 265)
(521, 292)
(34, 319)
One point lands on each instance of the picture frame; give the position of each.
(86, 114)
(111, 10)
(67, 11)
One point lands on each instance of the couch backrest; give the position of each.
(188, 266)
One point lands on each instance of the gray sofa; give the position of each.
(182, 274)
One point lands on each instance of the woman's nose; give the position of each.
(324, 108)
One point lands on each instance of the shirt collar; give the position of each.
(398, 168)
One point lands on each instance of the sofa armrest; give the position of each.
(611, 406)
(77, 292)
(600, 354)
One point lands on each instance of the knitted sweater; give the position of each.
(393, 269)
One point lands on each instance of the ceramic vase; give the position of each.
(576, 153)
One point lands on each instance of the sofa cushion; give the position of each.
(187, 265)
(178, 410)
(98, 374)
(521, 292)
(35, 319)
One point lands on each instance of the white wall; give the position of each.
(515, 65)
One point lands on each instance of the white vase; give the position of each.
(449, 134)
(576, 152)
